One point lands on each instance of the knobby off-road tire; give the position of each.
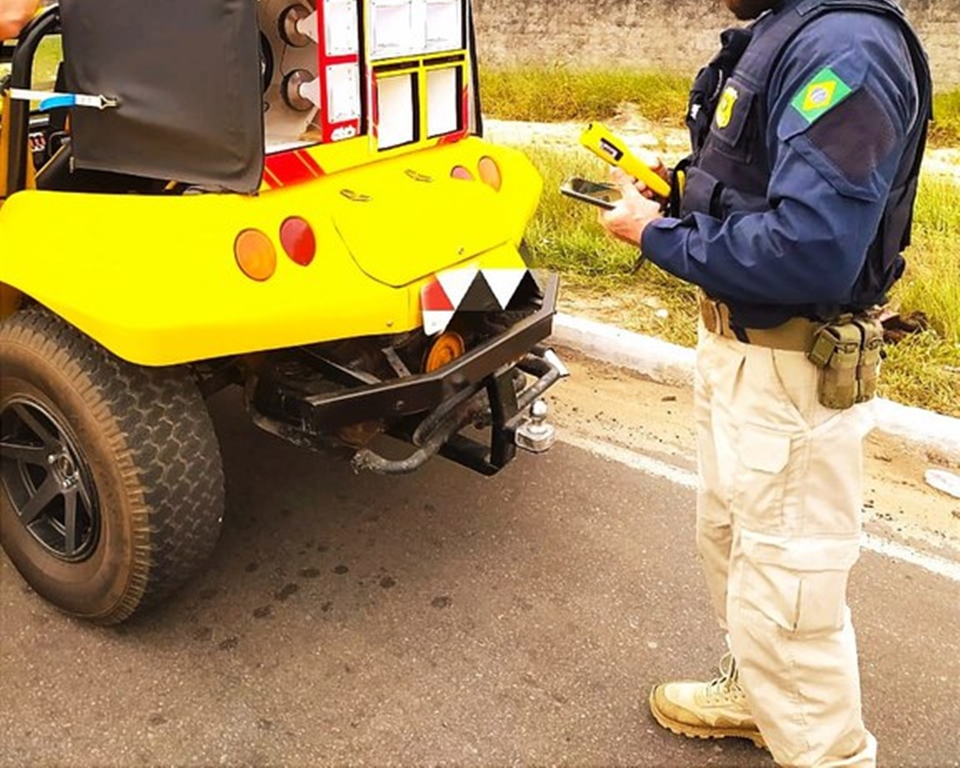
(111, 486)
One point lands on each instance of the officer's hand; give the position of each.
(620, 177)
(632, 213)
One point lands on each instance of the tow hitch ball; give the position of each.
(535, 435)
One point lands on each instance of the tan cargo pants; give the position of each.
(778, 529)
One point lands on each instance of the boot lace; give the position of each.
(726, 686)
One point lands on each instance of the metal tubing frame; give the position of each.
(21, 73)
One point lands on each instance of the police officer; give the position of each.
(14, 14)
(808, 128)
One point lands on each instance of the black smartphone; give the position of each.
(593, 192)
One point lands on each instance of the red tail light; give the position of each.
(298, 240)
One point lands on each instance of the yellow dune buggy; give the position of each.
(288, 196)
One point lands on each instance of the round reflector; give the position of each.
(255, 254)
(447, 348)
(298, 240)
(490, 173)
(459, 172)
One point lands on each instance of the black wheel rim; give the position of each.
(47, 480)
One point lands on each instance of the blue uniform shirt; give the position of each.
(829, 179)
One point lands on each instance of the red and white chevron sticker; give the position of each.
(469, 290)
(438, 310)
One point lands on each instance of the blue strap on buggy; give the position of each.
(53, 100)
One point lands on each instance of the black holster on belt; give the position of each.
(848, 353)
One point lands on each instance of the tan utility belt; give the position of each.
(847, 351)
(795, 335)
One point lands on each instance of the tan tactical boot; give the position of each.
(711, 710)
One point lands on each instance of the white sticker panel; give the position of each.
(444, 25)
(342, 29)
(343, 92)
(443, 102)
(415, 27)
(397, 123)
(398, 28)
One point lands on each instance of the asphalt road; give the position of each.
(440, 618)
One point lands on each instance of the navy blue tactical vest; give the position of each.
(729, 170)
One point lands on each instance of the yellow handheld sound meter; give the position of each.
(610, 148)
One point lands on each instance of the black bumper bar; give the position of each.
(479, 388)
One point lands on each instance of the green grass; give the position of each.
(558, 94)
(945, 130)
(598, 274)
(925, 369)
(932, 280)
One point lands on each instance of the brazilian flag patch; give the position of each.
(820, 95)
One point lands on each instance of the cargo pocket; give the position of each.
(799, 584)
(763, 455)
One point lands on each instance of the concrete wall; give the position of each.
(678, 35)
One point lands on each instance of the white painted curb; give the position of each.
(672, 364)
